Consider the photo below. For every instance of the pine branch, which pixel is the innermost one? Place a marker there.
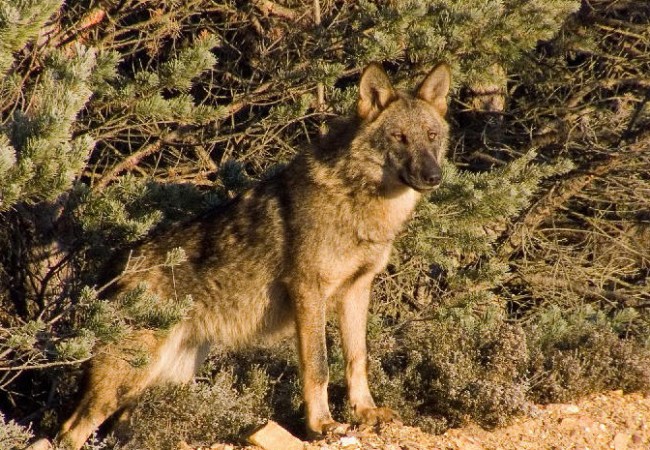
(78, 33)
(564, 191)
(320, 88)
(134, 159)
(43, 365)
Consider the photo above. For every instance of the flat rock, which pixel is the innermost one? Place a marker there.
(272, 436)
(41, 444)
(621, 441)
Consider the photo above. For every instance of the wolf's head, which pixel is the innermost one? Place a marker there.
(408, 130)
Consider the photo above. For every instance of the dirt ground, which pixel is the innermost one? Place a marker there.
(602, 421)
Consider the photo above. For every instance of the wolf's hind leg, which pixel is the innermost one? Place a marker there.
(113, 383)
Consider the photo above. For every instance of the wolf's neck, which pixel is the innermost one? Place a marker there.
(376, 211)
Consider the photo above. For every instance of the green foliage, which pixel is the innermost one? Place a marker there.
(24, 338)
(460, 365)
(76, 348)
(99, 316)
(200, 414)
(149, 311)
(470, 367)
(179, 72)
(473, 34)
(461, 216)
(13, 435)
(20, 23)
(135, 308)
(115, 213)
(41, 157)
(575, 352)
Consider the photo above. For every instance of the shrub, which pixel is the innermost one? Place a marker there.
(199, 413)
(12, 435)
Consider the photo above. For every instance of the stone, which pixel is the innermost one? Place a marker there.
(347, 441)
(570, 409)
(620, 441)
(272, 436)
(41, 444)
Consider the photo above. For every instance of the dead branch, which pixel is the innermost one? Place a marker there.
(269, 8)
(582, 289)
(133, 160)
(563, 191)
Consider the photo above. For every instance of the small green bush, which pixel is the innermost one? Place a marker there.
(458, 367)
(576, 352)
(12, 435)
(200, 413)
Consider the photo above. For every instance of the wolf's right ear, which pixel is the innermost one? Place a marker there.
(375, 92)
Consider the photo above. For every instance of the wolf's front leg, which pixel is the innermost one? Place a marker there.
(310, 327)
(352, 306)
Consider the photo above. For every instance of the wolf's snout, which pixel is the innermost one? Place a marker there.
(430, 172)
(422, 174)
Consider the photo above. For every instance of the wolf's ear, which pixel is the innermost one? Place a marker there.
(375, 92)
(435, 86)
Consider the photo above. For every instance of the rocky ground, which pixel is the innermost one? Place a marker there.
(601, 421)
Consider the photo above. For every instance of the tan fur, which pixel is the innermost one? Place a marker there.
(273, 259)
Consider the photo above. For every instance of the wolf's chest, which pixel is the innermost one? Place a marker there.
(384, 218)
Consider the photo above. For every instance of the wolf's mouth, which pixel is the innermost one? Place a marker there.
(418, 185)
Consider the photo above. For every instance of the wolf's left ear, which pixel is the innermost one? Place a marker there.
(375, 92)
(435, 86)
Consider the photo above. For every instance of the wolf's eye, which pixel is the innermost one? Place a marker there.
(400, 137)
(432, 135)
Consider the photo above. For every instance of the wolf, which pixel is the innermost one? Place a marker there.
(276, 258)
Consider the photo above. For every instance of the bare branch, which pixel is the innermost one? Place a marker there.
(269, 8)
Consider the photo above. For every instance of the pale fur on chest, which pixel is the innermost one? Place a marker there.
(373, 225)
(382, 218)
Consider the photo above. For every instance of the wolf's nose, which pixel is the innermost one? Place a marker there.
(433, 179)
(429, 173)
(431, 176)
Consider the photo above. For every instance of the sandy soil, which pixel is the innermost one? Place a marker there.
(602, 421)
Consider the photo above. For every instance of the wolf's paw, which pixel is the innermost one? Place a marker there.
(336, 428)
(330, 428)
(375, 416)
